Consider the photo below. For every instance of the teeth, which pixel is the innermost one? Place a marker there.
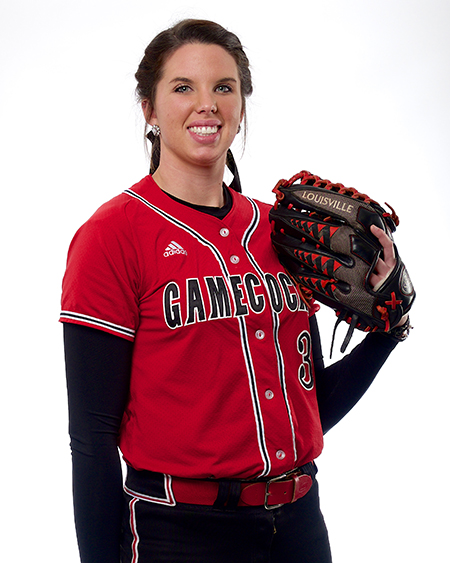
(204, 130)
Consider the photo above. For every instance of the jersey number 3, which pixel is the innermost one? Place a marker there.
(305, 371)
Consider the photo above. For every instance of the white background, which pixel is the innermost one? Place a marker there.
(354, 91)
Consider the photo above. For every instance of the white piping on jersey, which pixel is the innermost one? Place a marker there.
(242, 323)
(71, 316)
(169, 499)
(255, 399)
(275, 316)
(182, 226)
(134, 532)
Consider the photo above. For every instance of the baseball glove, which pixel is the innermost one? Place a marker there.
(321, 232)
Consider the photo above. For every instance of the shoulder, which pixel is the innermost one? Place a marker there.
(110, 212)
(109, 232)
(121, 203)
(250, 202)
(114, 215)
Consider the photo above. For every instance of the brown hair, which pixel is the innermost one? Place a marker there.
(166, 43)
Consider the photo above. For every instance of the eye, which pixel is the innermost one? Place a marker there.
(182, 88)
(224, 88)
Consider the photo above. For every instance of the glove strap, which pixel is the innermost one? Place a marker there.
(340, 318)
(349, 334)
(401, 333)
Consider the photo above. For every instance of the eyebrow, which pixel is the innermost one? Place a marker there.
(190, 81)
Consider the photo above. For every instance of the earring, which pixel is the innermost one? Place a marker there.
(156, 130)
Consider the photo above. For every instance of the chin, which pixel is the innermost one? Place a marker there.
(209, 158)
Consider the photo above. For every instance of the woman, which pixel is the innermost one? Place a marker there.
(182, 337)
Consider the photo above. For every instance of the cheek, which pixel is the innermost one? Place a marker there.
(177, 113)
(234, 112)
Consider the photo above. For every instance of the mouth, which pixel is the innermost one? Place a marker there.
(204, 131)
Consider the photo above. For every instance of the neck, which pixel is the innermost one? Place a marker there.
(197, 185)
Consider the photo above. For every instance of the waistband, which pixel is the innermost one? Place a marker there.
(271, 493)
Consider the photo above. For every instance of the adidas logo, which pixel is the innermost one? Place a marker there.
(174, 248)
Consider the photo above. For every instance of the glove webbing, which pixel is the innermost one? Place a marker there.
(308, 179)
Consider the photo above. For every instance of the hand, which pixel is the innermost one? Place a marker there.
(383, 267)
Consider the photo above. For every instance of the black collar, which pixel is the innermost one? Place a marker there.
(219, 212)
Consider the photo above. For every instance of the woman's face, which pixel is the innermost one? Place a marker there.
(198, 106)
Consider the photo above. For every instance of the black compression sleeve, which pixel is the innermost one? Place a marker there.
(98, 372)
(341, 385)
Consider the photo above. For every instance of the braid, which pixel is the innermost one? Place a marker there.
(156, 153)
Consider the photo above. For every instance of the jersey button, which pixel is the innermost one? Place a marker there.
(234, 259)
(224, 232)
(280, 454)
(269, 394)
(260, 334)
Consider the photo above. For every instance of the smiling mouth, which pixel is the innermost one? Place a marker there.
(204, 131)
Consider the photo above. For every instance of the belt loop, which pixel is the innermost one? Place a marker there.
(228, 495)
(309, 468)
(222, 495)
(235, 495)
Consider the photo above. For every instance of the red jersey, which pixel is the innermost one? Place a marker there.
(222, 381)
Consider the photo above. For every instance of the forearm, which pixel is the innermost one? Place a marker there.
(97, 499)
(341, 385)
(351, 377)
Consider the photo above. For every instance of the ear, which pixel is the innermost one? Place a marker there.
(242, 120)
(243, 115)
(149, 113)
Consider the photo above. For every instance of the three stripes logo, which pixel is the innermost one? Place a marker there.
(174, 248)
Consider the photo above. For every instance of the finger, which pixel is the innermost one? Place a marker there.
(379, 275)
(381, 268)
(387, 244)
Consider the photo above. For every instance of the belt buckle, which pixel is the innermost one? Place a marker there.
(268, 506)
(302, 484)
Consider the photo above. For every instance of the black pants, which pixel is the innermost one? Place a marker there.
(187, 533)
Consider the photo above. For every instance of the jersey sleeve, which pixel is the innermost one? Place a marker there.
(101, 283)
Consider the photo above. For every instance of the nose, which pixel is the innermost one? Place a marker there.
(207, 104)
(208, 108)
